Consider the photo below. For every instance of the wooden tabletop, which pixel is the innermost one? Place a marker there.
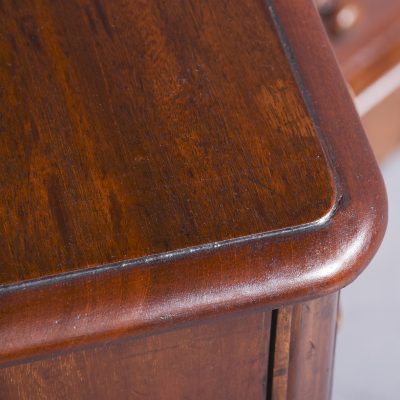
(131, 130)
(165, 160)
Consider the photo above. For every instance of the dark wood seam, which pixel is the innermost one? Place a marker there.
(271, 359)
(176, 254)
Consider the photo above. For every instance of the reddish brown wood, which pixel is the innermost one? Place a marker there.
(220, 360)
(366, 52)
(372, 46)
(278, 384)
(247, 115)
(312, 345)
(304, 349)
(149, 127)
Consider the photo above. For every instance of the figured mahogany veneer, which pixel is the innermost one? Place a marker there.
(165, 162)
(148, 128)
(216, 360)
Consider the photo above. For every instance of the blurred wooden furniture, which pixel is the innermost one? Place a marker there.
(185, 187)
(366, 38)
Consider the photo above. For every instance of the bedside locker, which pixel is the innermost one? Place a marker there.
(185, 188)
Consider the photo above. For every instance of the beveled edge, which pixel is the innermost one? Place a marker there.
(170, 255)
(11, 281)
(294, 265)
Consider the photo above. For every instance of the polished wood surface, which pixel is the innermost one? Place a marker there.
(312, 346)
(283, 355)
(133, 129)
(310, 144)
(303, 350)
(185, 187)
(219, 360)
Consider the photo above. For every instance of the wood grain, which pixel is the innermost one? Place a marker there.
(220, 360)
(303, 350)
(137, 128)
(312, 346)
(278, 383)
(73, 311)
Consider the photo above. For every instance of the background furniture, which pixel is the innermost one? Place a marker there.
(366, 39)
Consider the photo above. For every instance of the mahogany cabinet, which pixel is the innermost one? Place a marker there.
(185, 187)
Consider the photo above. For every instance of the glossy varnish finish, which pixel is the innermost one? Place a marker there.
(132, 129)
(273, 131)
(224, 359)
(301, 360)
(230, 358)
(312, 346)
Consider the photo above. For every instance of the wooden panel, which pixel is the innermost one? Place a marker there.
(312, 346)
(159, 293)
(132, 129)
(220, 360)
(304, 350)
(278, 384)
